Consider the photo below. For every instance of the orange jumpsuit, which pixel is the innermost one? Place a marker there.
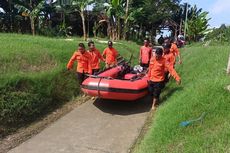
(110, 55)
(84, 62)
(145, 54)
(174, 50)
(157, 70)
(169, 59)
(156, 75)
(95, 56)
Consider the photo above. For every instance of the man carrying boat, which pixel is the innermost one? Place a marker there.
(96, 57)
(83, 59)
(174, 49)
(169, 59)
(156, 75)
(110, 54)
(145, 54)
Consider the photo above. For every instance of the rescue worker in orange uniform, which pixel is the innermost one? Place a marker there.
(167, 40)
(83, 59)
(96, 57)
(110, 54)
(145, 54)
(156, 75)
(151, 45)
(174, 49)
(169, 59)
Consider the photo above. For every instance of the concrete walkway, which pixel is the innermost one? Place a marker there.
(94, 127)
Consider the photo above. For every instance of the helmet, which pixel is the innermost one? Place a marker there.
(138, 68)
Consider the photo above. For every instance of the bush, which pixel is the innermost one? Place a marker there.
(48, 31)
(220, 35)
(64, 86)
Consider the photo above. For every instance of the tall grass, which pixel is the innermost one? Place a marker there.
(33, 76)
(203, 90)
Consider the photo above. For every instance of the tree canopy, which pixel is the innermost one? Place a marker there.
(115, 19)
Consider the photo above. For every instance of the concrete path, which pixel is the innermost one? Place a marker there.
(94, 127)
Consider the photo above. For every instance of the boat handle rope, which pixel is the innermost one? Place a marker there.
(101, 77)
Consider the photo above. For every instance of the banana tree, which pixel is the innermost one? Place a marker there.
(80, 6)
(126, 18)
(130, 19)
(197, 25)
(115, 13)
(31, 9)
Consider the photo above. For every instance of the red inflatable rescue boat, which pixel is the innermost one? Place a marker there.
(118, 83)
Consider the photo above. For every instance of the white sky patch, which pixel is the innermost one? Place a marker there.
(89, 7)
(219, 10)
(220, 6)
(1, 10)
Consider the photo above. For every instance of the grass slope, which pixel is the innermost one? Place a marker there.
(33, 76)
(203, 90)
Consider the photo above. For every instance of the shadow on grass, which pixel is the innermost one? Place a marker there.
(168, 92)
(124, 107)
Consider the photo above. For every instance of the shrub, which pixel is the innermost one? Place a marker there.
(220, 35)
(23, 100)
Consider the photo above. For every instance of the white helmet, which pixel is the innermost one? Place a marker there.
(138, 68)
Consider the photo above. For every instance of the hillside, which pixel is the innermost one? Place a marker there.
(203, 90)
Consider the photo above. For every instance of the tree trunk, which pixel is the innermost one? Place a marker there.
(113, 29)
(32, 26)
(153, 34)
(114, 33)
(126, 20)
(125, 30)
(140, 32)
(119, 28)
(32, 22)
(94, 34)
(180, 26)
(95, 30)
(228, 68)
(175, 35)
(83, 24)
(109, 33)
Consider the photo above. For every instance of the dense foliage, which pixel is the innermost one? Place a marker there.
(219, 35)
(115, 19)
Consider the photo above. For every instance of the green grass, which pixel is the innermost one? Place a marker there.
(203, 90)
(33, 79)
(33, 76)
